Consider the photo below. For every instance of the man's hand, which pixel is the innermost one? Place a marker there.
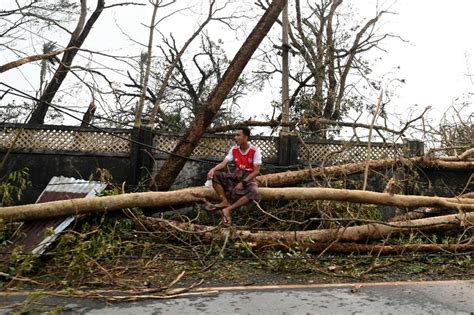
(239, 186)
(210, 174)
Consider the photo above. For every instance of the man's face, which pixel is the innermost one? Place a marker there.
(240, 137)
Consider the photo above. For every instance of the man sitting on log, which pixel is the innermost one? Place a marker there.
(239, 187)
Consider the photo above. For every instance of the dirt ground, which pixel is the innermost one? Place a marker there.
(272, 268)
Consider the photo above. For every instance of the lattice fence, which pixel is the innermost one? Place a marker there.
(337, 153)
(68, 140)
(216, 147)
(75, 139)
(268, 146)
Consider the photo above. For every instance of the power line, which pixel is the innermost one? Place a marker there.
(80, 55)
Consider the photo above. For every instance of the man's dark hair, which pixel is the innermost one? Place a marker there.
(245, 131)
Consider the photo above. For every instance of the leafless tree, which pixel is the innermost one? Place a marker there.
(35, 21)
(190, 84)
(327, 51)
(457, 126)
(173, 165)
(180, 80)
(78, 37)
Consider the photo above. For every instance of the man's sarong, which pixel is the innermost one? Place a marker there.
(229, 180)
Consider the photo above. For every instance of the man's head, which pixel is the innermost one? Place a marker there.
(242, 135)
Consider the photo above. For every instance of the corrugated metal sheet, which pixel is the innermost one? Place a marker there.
(31, 235)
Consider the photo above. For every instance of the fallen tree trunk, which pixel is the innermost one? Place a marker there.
(297, 177)
(301, 176)
(424, 211)
(360, 233)
(198, 194)
(462, 157)
(370, 197)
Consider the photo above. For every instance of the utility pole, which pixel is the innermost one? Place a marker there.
(285, 94)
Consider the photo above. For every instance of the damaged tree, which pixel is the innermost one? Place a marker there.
(77, 39)
(173, 165)
(301, 176)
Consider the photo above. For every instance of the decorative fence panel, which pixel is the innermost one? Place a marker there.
(119, 142)
(215, 146)
(65, 139)
(338, 152)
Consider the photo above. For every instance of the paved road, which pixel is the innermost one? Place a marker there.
(447, 297)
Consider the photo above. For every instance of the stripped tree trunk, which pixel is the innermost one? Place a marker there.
(360, 233)
(297, 177)
(173, 165)
(193, 195)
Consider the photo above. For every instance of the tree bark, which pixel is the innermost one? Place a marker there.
(173, 165)
(196, 195)
(423, 212)
(89, 114)
(462, 157)
(77, 39)
(412, 215)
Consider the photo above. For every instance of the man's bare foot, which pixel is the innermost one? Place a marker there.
(226, 217)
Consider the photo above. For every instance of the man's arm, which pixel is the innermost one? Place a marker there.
(250, 176)
(218, 167)
(253, 174)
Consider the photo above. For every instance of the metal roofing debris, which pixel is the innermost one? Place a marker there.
(31, 235)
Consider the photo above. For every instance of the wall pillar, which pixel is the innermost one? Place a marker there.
(287, 149)
(415, 148)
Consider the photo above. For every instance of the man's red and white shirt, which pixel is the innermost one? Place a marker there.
(245, 160)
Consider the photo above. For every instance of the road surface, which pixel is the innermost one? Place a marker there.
(443, 297)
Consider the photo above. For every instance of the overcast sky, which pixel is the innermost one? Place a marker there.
(434, 62)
